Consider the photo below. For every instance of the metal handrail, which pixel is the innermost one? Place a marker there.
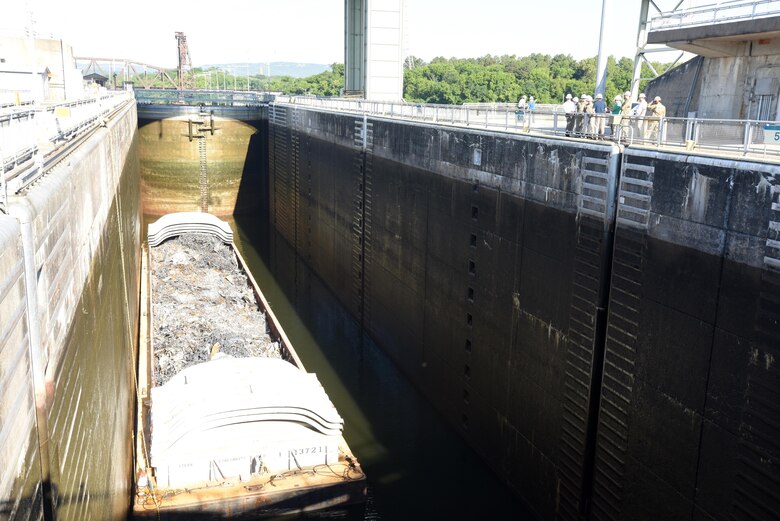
(201, 97)
(30, 137)
(731, 136)
(715, 13)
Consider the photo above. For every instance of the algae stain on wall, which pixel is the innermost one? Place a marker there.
(172, 169)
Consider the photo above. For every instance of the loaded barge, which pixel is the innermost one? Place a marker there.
(229, 423)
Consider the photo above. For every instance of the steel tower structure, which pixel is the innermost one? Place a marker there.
(185, 77)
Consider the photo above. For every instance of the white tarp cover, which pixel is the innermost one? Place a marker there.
(234, 417)
(174, 224)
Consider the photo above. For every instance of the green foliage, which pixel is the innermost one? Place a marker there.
(506, 78)
(328, 83)
(457, 81)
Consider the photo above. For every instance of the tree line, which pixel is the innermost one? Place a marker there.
(489, 79)
(506, 78)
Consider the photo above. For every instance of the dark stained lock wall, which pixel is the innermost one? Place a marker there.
(477, 261)
(689, 424)
(602, 325)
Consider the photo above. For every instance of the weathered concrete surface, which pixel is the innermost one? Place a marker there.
(20, 483)
(726, 87)
(689, 421)
(679, 88)
(720, 99)
(470, 257)
(80, 230)
(484, 266)
(171, 164)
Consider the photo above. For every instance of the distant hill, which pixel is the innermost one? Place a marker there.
(296, 70)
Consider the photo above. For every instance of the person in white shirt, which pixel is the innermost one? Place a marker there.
(640, 111)
(522, 106)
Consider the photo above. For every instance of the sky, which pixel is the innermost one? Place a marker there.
(312, 31)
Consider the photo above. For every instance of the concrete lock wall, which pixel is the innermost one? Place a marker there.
(689, 423)
(187, 167)
(20, 482)
(503, 274)
(477, 261)
(80, 230)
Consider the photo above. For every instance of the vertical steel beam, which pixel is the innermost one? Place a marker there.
(641, 42)
(355, 41)
(601, 65)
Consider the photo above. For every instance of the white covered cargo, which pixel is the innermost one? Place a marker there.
(239, 418)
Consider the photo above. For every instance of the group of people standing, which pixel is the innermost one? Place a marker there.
(525, 110)
(587, 117)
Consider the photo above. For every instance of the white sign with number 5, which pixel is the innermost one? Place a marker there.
(772, 134)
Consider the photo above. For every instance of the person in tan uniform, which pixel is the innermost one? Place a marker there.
(626, 110)
(656, 110)
(579, 116)
(590, 117)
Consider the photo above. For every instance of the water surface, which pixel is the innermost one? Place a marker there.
(417, 465)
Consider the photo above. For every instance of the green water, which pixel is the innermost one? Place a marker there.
(417, 466)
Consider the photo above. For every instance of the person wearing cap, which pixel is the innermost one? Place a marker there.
(531, 108)
(601, 110)
(656, 111)
(616, 104)
(522, 106)
(569, 109)
(589, 125)
(640, 111)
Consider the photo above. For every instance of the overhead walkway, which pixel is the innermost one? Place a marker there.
(717, 30)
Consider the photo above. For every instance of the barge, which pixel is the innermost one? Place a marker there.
(229, 423)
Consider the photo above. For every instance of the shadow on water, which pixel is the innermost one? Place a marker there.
(417, 465)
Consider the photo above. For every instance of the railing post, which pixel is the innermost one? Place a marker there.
(689, 126)
(747, 137)
(662, 131)
(3, 185)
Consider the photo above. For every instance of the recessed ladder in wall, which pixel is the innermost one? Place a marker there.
(198, 129)
(361, 222)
